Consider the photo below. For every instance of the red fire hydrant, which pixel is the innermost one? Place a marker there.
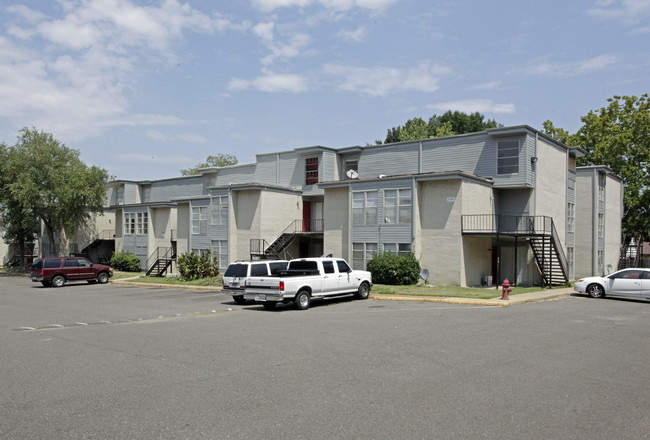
(505, 289)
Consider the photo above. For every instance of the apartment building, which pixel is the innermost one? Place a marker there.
(475, 208)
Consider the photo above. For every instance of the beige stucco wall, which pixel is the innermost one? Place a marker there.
(551, 186)
(613, 222)
(336, 222)
(476, 260)
(278, 211)
(440, 242)
(182, 228)
(161, 222)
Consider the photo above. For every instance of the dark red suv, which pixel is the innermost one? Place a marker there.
(57, 270)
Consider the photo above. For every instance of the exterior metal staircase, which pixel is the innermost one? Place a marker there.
(278, 249)
(160, 261)
(540, 233)
(106, 234)
(631, 254)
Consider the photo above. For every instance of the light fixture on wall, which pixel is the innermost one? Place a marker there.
(533, 160)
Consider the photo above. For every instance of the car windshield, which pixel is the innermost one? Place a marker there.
(236, 270)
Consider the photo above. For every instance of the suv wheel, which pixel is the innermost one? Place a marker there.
(58, 281)
(102, 278)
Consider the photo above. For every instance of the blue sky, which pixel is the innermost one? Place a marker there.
(145, 88)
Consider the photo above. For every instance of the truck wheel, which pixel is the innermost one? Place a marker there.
(269, 305)
(239, 299)
(302, 300)
(364, 291)
(58, 281)
(102, 278)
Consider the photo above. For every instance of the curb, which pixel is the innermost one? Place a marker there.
(124, 282)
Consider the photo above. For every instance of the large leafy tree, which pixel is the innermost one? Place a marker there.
(619, 136)
(447, 124)
(45, 181)
(220, 160)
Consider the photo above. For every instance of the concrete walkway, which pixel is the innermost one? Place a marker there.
(542, 295)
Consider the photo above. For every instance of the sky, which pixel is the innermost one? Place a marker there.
(145, 88)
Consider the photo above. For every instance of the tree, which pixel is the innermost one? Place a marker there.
(220, 160)
(619, 136)
(46, 181)
(447, 124)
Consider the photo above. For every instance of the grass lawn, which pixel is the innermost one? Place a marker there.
(448, 291)
(210, 282)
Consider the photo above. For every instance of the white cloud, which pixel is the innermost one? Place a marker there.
(77, 83)
(189, 138)
(270, 82)
(356, 35)
(338, 5)
(575, 68)
(630, 11)
(380, 81)
(474, 105)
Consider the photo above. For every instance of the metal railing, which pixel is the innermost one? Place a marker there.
(507, 224)
(161, 253)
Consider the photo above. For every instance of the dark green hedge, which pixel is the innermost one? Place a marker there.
(393, 269)
(126, 261)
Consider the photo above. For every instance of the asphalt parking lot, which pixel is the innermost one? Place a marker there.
(136, 362)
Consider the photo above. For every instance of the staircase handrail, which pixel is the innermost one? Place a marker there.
(161, 253)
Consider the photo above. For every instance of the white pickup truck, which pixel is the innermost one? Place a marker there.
(308, 278)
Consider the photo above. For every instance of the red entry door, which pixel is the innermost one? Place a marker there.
(306, 216)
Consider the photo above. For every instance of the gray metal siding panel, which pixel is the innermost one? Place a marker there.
(328, 167)
(292, 170)
(396, 160)
(243, 174)
(266, 170)
(164, 191)
(471, 156)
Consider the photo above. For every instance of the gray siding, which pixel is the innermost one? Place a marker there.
(163, 191)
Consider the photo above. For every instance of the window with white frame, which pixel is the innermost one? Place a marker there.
(397, 206)
(601, 225)
(220, 250)
(199, 220)
(601, 187)
(364, 208)
(142, 223)
(129, 223)
(571, 217)
(508, 157)
(362, 253)
(398, 248)
(199, 251)
(220, 210)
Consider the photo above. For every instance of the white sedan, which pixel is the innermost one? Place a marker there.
(634, 283)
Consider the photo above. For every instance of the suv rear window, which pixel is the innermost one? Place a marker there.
(236, 270)
(259, 270)
(276, 267)
(50, 264)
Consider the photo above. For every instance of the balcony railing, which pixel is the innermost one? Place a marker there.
(507, 224)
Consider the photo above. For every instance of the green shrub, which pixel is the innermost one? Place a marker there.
(393, 269)
(192, 266)
(126, 261)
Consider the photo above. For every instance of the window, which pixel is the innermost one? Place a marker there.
(398, 248)
(364, 208)
(571, 217)
(507, 157)
(220, 250)
(259, 270)
(199, 220)
(199, 251)
(397, 206)
(328, 266)
(311, 171)
(601, 187)
(601, 225)
(351, 169)
(70, 262)
(343, 266)
(362, 253)
(220, 210)
(129, 223)
(143, 223)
